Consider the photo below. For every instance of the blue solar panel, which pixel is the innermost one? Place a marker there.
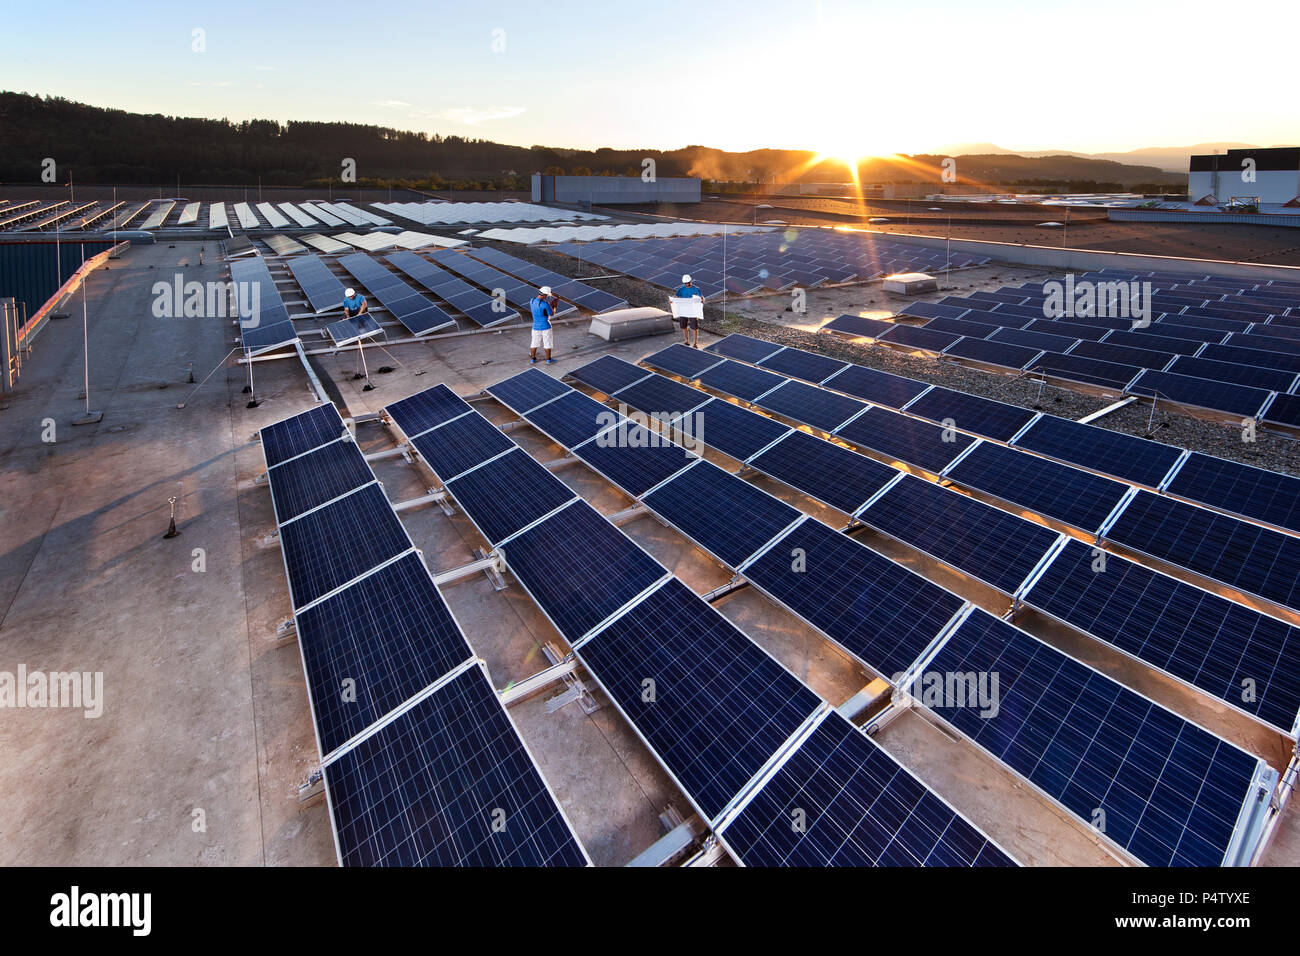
(571, 419)
(732, 430)
(877, 610)
(905, 439)
(829, 472)
(1240, 554)
(992, 546)
(659, 394)
(448, 783)
(634, 457)
(1076, 368)
(1124, 456)
(310, 480)
(301, 433)
(527, 390)
(579, 568)
(427, 409)
(609, 373)
(882, 388)
(861, 808)
(797, 363)
(918, 337)
(1171, 792)
(460, 445)
(384, 640)
(346, 331)
(970, 413)
(1284, 410)
(265, 338)
(1269, 379)
(857, 325)
(1231, 652)
(1001, 354)
(811, 405)
(725, 515)
(508, 494)
(743, 347)
(1077, 498)
(327, 548)
(1188, 390)
(1242, 489)
(682, 360)
(721, 707)
(743, 381)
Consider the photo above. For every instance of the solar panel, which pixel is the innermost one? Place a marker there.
(460, 445)
(1001, 354)
(571, 419)
(347, 331)
(1145, 338)
(918, 337)
(857, 325)
(1077, 498)
(1124, 456)
(375, 645)
(1076, 368)
(720, 707)
(266, 338)
(732, 430)
(1171, 793)
(1241, 489)
(327, 548)
(1238, 553)
(725, 515)
(447, 783)
(905, 439)
(860, 807)
(742, 381)
(609, 373)
(507, 494)
(882, 388)
(427, 409)
(321, 286)
(523, 392)
(1257, 357)
(982, 416)
(1284, 410)
(301, 433)
(811, 405)
(1231, 652)
(681, 360)
(1203, 393)
(658, 394)
(743, 347)
(579, 568)
(877, 610)
(990, 545)
(1269, 379)
(826, 471)
(633, 457)
(322, 475)
(1123, 354)
(797, 363)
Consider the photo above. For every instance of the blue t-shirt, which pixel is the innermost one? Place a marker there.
(541, 313)
(686, 291)
(354, 303)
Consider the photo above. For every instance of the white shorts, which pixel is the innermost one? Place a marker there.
(542, 338)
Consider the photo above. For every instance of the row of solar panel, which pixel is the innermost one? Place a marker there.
(419, 757)
(263, 320)
(594, 300)
(724, 711)
(1075, 497)
(887, 616)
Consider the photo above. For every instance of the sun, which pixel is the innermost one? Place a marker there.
(848, 155)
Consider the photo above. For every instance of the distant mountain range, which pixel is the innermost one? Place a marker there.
(1168, 158)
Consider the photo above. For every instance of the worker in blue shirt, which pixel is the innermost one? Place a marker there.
(543, 307)
(353, 303)
(685, 291)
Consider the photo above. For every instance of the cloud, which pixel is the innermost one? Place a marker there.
(476, 116)
(392, 104)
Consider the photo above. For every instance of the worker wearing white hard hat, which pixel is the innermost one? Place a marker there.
(353, 303)
(543, 307)
(690, 326)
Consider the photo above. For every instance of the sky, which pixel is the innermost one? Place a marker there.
(841, 78)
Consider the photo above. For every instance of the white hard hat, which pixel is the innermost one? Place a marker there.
(349, 292)
(686, 278)
(546, 290)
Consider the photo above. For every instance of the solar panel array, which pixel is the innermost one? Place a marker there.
(751, 261)
(418, 314)
(263, 320)
(571, 290)
(1214, 343)
(515, 291)
(418, 754)
(318, 283)
(480, 307)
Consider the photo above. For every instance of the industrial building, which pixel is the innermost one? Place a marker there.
(1269, 176)
(613, 190)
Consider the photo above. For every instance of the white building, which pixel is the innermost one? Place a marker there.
(1272, 175)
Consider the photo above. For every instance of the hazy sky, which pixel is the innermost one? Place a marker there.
(838, 77)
